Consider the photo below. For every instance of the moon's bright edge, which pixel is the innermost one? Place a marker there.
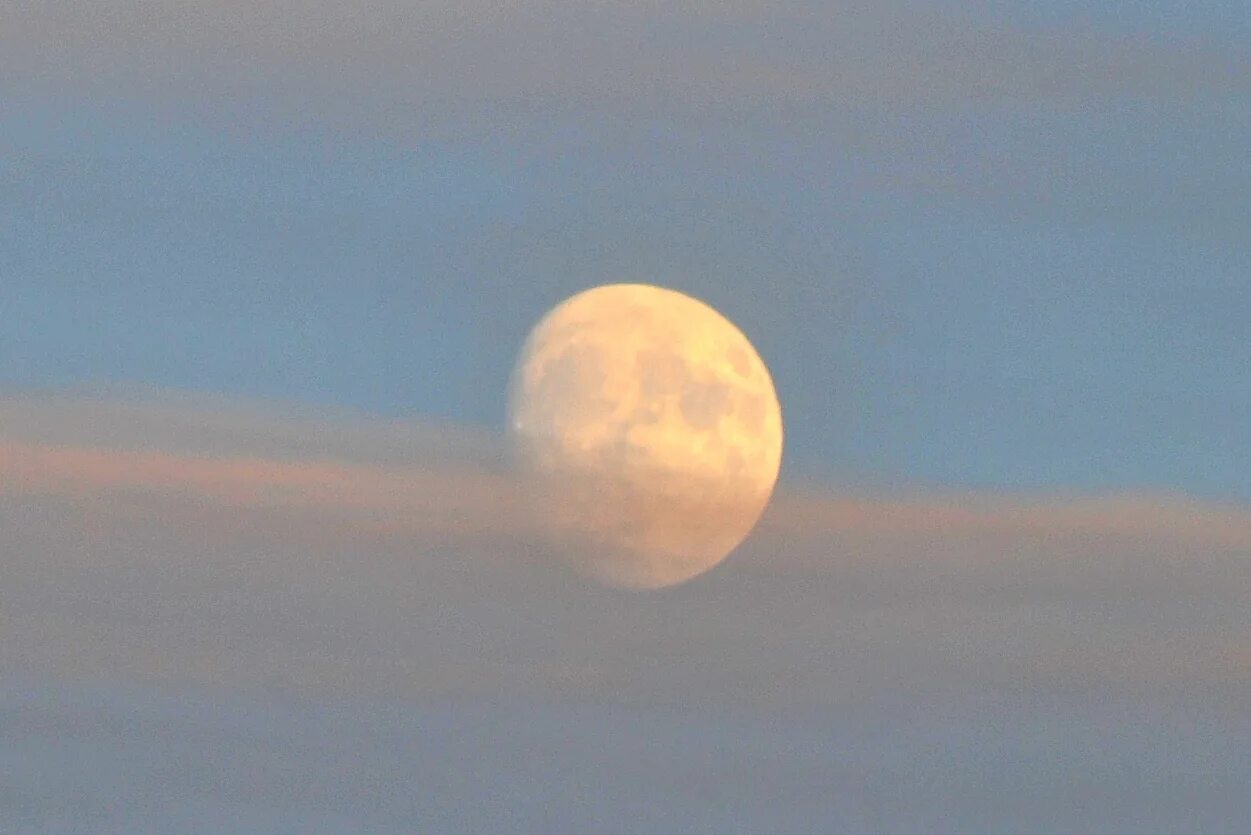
(652, 432)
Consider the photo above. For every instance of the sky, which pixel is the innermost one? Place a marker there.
(264, 271)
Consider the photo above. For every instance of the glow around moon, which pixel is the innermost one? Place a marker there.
(652, 432)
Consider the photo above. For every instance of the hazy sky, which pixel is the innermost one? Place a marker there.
(265, 266)
(980, 245)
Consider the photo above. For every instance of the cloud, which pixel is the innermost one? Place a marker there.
(209, 451)
(184, 574)
(222, 547)
(175, 422)
(214, 453)
(1128, 520)
(544, 56)
(108, 759)
(201, 457)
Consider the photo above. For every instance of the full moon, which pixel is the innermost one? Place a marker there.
(651, 431)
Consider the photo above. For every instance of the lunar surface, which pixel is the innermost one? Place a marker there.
(650, 430)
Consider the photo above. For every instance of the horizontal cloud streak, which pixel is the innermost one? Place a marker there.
(1133, 519)
(432, 501)
(123, 418)
(173, 544)
(546, 55)
(431, 480)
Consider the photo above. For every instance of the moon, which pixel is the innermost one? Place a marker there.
(650, 431)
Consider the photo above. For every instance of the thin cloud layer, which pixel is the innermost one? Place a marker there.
(441, 500)
(545, 55)
(277, 621)
(209, 452)
(223, 615)
(425, 576)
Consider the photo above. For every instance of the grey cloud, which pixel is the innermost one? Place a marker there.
(439, 59)
(412, 575)
(179, 656)
(108, 758)
(138, 418)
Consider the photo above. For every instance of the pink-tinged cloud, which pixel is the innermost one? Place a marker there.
(1002, 523)
(426, 501)
(182, 540)
(184, 460)
(418, 61)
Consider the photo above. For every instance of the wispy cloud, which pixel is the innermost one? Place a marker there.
(165, 561)
(212, 452)
(546, 55)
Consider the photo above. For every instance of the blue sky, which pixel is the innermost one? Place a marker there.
(991, 298)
